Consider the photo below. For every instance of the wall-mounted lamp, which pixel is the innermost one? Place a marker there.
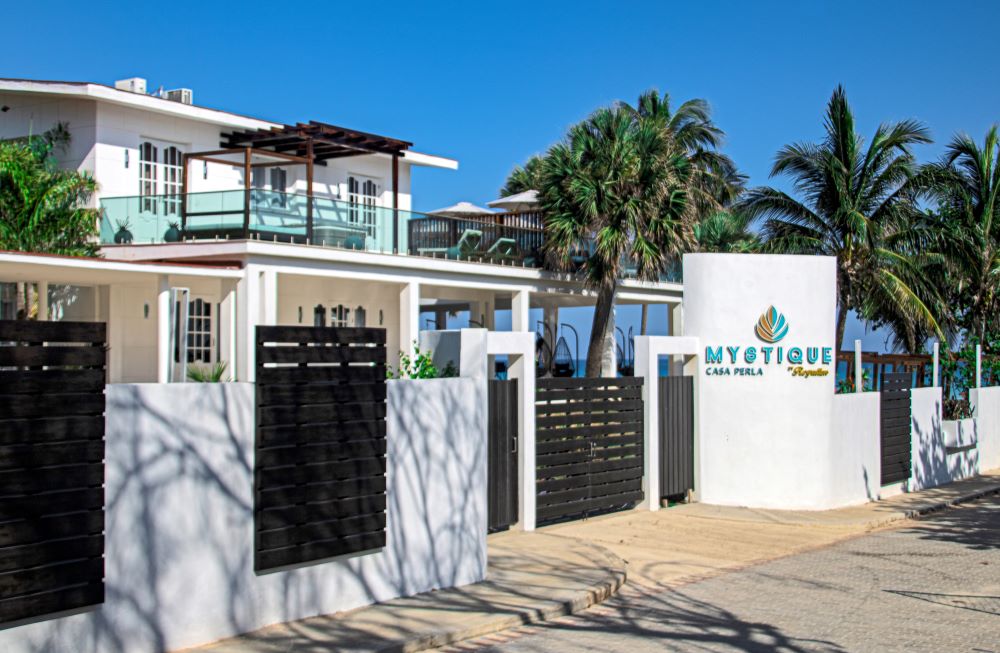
(300, 315)
(204, 175)
(145, 311)
(126, 157)
(380, 317)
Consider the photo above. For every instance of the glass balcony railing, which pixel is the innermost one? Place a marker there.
(502, 238)
(511, 238)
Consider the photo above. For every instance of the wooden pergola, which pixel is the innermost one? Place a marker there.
(309, 144)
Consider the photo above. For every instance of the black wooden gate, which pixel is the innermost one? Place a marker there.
(895, 426)
(676, 436)
(502, 472)
(589, 450)
(319, 473)
(52, 377)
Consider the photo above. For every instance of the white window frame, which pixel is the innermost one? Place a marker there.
(364, 196)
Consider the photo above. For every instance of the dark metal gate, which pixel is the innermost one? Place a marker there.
(502, 468)
(589, 449)
(895, 426)
(676, 436)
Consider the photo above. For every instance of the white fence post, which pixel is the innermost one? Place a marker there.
(646, 366)
(936, 359)
(979, 366)
(859, 376)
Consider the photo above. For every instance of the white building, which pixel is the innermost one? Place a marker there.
(265, 223)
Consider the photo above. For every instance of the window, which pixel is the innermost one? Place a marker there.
(161, 170)
(199, 337)
(340, 316)
(147, 176)
(362, 195)
(172, 174)
(279, 184)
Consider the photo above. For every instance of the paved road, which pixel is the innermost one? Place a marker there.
(931, 586)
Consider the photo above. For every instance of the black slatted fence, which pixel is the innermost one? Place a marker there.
(52, 377)
(589, 449)
(895, 426)
(676, 436)
(321, 443)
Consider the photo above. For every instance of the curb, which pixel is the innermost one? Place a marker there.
(941, 505)
(531, 614)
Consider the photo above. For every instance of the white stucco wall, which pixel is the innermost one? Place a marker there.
(854, 449)
(929, 460)
(986, 408)
(765, 440)
(179, 529)
(35, 114)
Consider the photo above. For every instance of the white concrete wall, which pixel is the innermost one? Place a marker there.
(34, 114)
(295, 292)
(986, 408)
(179, 487)
(929, 460)
(121, 128)
(854, 449)
(765, 440)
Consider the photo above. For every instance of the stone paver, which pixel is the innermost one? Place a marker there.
(930, 585)
(695, 541)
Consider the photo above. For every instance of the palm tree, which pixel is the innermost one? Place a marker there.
(726, 232)
(619, 181)
(859, 205)
(522, 178)
(715, 181)
(43, 208)
(968, 220)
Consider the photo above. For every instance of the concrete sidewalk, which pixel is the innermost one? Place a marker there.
(567, 568)
(691, 542)
(532, 577)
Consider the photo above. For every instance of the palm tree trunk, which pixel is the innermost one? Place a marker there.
(841, 325)
(599, 329)
(645, 319)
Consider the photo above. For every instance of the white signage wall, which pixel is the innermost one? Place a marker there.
(766, 328)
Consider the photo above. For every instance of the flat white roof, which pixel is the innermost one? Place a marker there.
(105, 93)
(81, 270)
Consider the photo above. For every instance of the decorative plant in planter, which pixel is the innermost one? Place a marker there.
(123, 236)
(419, 366)
(173, 232)
(213, 374)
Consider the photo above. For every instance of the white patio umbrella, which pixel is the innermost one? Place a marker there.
(462, 210)
(524, 201)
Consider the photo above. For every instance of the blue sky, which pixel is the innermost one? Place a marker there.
(491, 84)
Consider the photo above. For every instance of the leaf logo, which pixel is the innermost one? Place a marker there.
(772, 326)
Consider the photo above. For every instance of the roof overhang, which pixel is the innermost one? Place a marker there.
(82, 271)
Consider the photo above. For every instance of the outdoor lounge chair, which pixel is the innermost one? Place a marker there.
(504, 249)
(465, 247)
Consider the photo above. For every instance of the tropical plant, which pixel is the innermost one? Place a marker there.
(44, 208)
(967, 187)
(726, 232)
(860, 205)
(620, 181)
(208, 374)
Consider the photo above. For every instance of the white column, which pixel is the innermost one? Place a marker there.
(269, 297)
(675, 312)
(43, 301)
(228, 328)
(520, 311)
(859, 374)
(489, 314)
(935, 362)
(163, 344)
(550, 316)
(647, 368)
(409, 316)
(247, 317)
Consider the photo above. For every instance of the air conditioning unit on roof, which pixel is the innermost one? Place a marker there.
(132, 84)
(182, 95)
